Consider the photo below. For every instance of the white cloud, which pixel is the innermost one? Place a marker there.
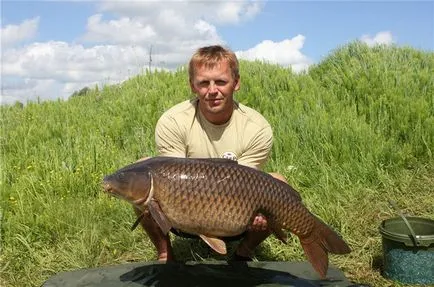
(215, 11)
(123, 31)
(253, 9)
(285, 53)
(12, 34)
(208, 31)
(54, 68)
(23, 92)
(115, 45)
(381, 38)
(167, 28)
(235, 12)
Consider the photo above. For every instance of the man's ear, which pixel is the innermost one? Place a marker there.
(237, 84)
(193, 89)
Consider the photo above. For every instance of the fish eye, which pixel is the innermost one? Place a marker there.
(122, 177)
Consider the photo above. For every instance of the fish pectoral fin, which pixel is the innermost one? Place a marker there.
(277, 230)
(159, 216)
(217, 244)
(139, 218)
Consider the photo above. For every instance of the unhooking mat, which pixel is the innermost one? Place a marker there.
(198, 274)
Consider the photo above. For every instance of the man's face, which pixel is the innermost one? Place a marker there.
(215, 88)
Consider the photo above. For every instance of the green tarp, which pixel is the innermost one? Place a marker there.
(207, 274)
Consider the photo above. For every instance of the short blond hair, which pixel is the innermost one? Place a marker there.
(211, 56)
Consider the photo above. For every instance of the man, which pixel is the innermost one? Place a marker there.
(213, 125)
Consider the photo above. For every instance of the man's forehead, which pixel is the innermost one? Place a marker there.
(219, 69)
(212, 65)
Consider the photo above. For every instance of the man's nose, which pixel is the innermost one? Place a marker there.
(212, 89)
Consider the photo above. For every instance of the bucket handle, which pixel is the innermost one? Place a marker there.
(413, 235)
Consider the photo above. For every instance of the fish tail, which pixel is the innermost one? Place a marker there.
(321, 241)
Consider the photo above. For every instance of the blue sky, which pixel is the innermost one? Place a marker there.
(50, 49)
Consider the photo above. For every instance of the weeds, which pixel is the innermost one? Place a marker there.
(353, 132)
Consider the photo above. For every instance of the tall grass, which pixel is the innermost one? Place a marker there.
(353, 132)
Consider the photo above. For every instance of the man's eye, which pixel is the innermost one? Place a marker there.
(204, 84)
(220, 83)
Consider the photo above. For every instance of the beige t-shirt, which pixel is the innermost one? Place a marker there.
(182, 131)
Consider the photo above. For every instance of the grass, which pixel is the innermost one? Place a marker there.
(350, 134)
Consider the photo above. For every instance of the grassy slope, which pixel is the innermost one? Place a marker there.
(349, 135)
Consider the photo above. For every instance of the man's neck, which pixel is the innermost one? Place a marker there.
(218, 118)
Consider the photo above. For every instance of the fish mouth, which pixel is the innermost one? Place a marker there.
(107, 188)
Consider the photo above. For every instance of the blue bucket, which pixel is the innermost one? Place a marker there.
(408, 249)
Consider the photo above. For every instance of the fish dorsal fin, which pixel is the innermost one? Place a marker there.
(218, 245)
(159, 216)
(216, 160)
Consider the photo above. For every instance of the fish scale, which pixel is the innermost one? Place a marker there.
(216, 198)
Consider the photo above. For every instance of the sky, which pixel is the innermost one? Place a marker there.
(49, 49)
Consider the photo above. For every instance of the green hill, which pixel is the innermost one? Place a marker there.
(355, 130)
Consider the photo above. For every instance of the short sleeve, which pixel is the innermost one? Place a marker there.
(169, 137)
(256, 152)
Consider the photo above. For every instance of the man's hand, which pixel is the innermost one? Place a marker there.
(259, 223)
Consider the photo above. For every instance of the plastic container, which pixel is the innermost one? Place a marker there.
(408, 249)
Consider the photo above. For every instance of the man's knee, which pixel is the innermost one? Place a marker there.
(278, 176)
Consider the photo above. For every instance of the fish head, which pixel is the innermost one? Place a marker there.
(132, 186)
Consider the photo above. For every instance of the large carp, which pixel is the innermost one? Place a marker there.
(215, 198)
